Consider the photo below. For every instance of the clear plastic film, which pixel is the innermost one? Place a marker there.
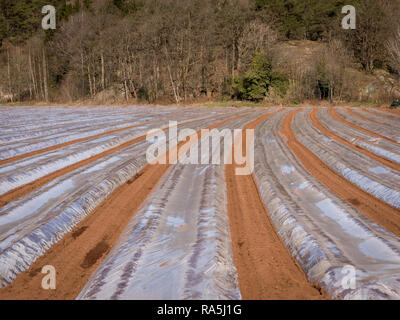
(380, 147)
(30, 225)
(322, 232)
(178, 245)
(368, 174)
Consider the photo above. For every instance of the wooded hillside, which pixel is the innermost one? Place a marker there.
(175, 51)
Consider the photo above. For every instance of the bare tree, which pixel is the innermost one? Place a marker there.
(393, 47)
(256, 36)
(372, 31)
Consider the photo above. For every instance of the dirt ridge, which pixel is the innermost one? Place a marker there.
(65, 144)
(266, 269)
(336, 116)
(326, 131)
(21, 191)
(81, 251)
(375, 209)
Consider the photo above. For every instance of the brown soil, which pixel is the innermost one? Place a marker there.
(81, 251)
(30, 187)
(375, 209)
(361, 116)
(330, 134)
(387, 116)
(14, 194)
(336, 116)
(394, 111)
(61, 145)
(265, 267)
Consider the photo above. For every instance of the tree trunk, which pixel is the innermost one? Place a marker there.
(40, 68)
(9, 75)
(82, 75)
(32, 74)
(90, 80)
(45, 82)
(170, 76)
(126, 91)
(103, 83)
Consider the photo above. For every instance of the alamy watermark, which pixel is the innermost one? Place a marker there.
(350, 20)
(49, 280)
(349, 280)
(49, 20)
(349, 283)
(188, 151)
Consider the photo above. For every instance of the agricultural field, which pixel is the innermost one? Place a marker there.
(317, 218)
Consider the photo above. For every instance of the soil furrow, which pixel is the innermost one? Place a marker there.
(81, 251)
(361, 116)
(396, 112)
(382, 148)
(58, 146)
(30, 187)
(336, 116)
(379, 114)
(377, 118)
(323, 232)
(375, 209)
(326, 131)
(263, 261)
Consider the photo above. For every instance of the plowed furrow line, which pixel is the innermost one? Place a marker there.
(183, 241)
(375, 209)
(379, 114)
(60, 127)
(379, 118)
(336, 116)
(356, 114)
(30, 187)
(396, 112)
(263, 261)
(81, 251)
(326, 131)
(58, 146)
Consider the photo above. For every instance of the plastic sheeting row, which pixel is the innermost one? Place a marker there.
(324, 234)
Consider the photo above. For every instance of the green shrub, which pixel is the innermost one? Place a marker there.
(280, 82)
(296, 101)
(255, 83)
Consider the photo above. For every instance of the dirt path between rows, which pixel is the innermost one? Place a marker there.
(336, 116)
(19, 192)
(81, 251)
(266, 269)
(32, 186)
(348, 110)
(395, 111)
(375, 209)
(326, 131)
(377, 114)
(61, 145)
